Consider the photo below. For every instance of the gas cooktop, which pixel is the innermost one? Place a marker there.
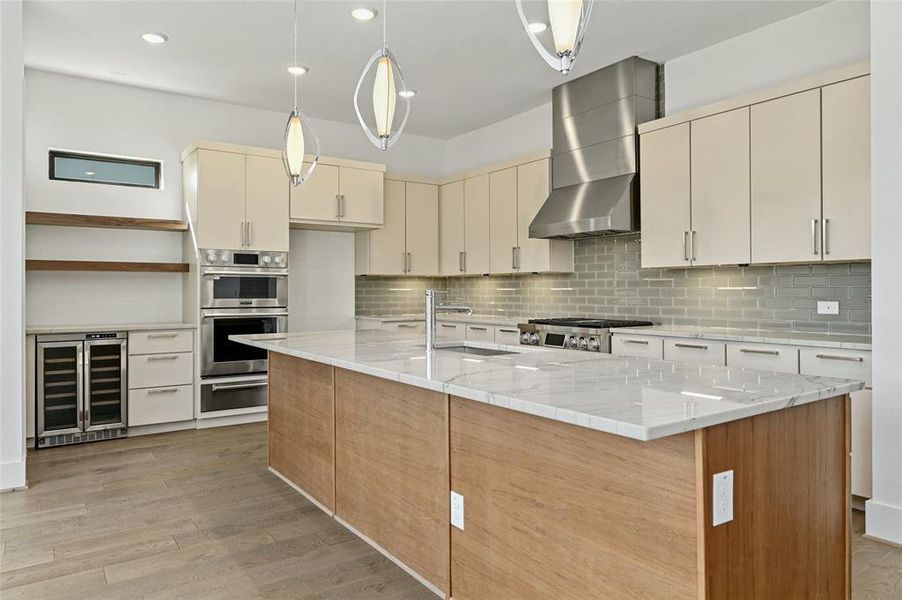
(590, 323)
(574, 333)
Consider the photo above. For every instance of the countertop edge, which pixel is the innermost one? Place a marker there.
(51, 329)
(766, 338)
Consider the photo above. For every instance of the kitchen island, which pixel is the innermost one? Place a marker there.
(577, 475)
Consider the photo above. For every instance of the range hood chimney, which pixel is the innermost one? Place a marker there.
(594, 160)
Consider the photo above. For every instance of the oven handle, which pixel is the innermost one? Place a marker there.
(237, 386)
(226, 315)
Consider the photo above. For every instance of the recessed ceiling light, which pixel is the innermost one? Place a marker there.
(155, 37)
(297, 70)
(537, 27)
(407, 93)
(363, 14)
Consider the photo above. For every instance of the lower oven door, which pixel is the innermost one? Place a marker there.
(220, 355)
(233, 393)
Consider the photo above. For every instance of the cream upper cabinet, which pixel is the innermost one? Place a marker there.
(665, 205)
(846, 219)
(477, 226)
(361, 193)
(537, 255)
(422, 229)
(266, 204)
(503, 221)
(386, 249)
(317, 198)
(220, 200)
(451, 223)
(720, 196)
(786, 178)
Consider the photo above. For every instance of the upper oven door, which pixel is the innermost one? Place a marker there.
(223, 288)
(220, 355)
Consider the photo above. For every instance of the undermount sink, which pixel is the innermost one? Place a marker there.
(463, 349)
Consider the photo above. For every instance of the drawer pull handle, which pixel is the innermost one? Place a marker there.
(449, 326)
(756, 351)
(219, 387)
(163, 357)
(406, 325)
(642, 342)
(477, 328)
(845, 358)
(692, 346)
(162, 335)
(171, 390)
(509, 330)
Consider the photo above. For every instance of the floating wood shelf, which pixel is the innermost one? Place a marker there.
(100, 265)
(103, 222)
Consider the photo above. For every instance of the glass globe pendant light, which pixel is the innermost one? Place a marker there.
(387, 86)
(298, 131)
(569, 20)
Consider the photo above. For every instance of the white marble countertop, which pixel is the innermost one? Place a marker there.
(504, 320)
(765, 336)
(44, 329)
(636, 398)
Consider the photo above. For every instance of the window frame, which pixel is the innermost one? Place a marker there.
(156, 164)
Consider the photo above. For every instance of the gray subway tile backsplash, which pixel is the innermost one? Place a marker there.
(609, 282)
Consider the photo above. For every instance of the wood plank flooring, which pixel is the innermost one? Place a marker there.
(195, 514)
(192, 514)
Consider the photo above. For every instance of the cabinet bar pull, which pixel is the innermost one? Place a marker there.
(242, 234)
(409, 262)
(509, 330)
(460, 261)
(465, 261)
(692, 346)
(692, 244)
(162, 335)
(643, 342)
(449, 326)
(685, 246)
(341, 206)
(250, 233)
(824, 236)
(837, 357)
(216, 387)
(477, 328)
(814, 236)
(756, 351)
(171, 390)
(337, 206)
(163, 357)
(513, 257)
(406, 325)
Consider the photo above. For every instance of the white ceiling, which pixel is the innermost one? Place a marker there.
(470, 60)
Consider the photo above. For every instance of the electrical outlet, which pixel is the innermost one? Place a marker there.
(457, 510)
(828, 307)
(723, 498)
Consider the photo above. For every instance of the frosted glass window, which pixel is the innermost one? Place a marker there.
(109, 170)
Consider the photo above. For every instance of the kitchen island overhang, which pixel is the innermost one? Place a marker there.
(582, 476)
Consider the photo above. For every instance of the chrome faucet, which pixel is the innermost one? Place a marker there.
(432, 308)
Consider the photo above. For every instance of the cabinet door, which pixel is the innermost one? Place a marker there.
(266, 204)
(317, 198)
(451, 223)
(532, 191)
(503, 220)
(361, 191)
(476, 224)
(786, 178)
(664, 156)
(386, 245)
(721, 229)
(220, 200)
(422, 229)
(846, 128)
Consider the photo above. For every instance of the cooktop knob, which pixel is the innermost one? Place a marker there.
(524, 338)
(594, 346)
(583, 344)
(279, 259)
(225, 257)
(572, 342)
(211, 256)
(267, 260)
(533, 338)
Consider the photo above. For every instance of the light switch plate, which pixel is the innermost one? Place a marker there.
(723, 497)
(457, 510)
(830, 307)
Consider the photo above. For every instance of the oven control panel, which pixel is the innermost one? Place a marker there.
(244, 258)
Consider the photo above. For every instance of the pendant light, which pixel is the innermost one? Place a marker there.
(387, 86)
(298, 131)
(569, 20)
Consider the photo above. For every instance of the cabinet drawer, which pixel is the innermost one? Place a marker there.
(481, 333)
(408, 326)
(160, 405)
(703, 352)
(155, 342)
(783, 359)
(451, 331)
(828, 362)
(638, 346)
(157, 370)
(507, 335)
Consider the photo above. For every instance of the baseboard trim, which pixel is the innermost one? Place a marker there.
(12, 476)
(160, 428)
(231, 420)
(883, 522)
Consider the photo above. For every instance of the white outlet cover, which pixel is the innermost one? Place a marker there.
(457, 510)
(830, 307)
(723, 498)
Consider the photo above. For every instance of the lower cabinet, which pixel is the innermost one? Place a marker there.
(160, 377)
(703, 352)
(507, 335)
(636, 346)
(160, 405)
(767, 357)
(451, 331)
(481, 333)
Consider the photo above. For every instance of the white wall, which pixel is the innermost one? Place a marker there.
(826, 37)
(321, 288)
(80, 114)
(884, 509)
(12, 334)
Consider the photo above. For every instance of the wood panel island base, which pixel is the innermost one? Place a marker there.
(557, 510)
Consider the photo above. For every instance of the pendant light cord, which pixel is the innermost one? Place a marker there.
(295, 63)
(384, 21)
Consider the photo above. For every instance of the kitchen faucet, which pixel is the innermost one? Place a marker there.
(432, 308)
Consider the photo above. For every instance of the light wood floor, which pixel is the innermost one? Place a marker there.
(196, 515)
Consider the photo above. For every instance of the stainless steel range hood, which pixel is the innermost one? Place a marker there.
(594, 160)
